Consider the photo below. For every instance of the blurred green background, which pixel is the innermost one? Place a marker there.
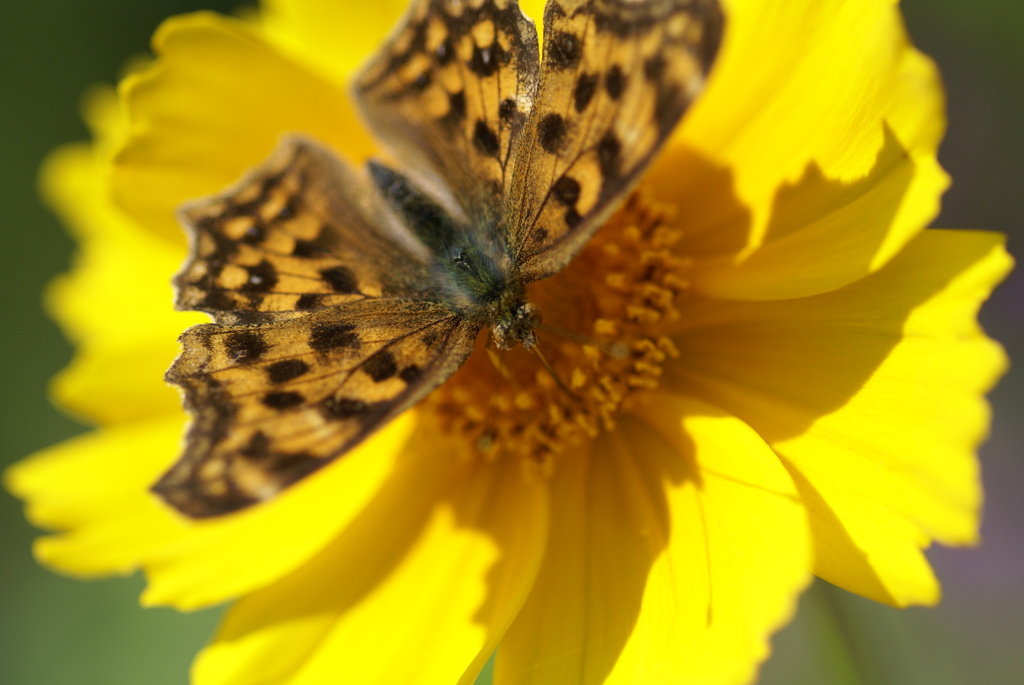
(58, 630)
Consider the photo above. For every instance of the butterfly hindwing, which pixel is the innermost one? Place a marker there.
(302, 231)
(274, 402)
(615, 79)
(325, 328)
(449, 94)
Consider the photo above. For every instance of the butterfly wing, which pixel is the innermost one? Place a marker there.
(616, 77)
(449, 93)
(302, 231)
(325, 329)
(274, 402)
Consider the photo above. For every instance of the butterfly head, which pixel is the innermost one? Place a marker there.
(515, 324)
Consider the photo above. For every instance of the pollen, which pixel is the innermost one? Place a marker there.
(599, 343)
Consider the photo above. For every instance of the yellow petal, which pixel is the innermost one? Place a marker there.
(534, 9)
(213, 105)
(96, 487)
(120, 269)
(116, 301)
(417, 590)
(874, 396)
(332, 37)
(111, 381)
(809, 160)
(675, 550)
(225, 557)
(102, 114)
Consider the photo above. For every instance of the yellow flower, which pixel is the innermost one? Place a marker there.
(808, 398)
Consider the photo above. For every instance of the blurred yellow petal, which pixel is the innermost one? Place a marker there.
(419, 589)
(810, 159)
(120, 283)
(101, 111)
(330, 36)
(113, 381)
(221, 558)
(97, 488)
(673, 555)
(115, 301)
(874, 396)
(214, 104)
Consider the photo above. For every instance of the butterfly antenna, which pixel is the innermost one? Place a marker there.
(550, 369)
(615, 350)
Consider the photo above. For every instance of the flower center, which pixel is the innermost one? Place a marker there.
(600, 337)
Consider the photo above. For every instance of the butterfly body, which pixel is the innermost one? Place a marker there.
(473, 268)
(342, 296)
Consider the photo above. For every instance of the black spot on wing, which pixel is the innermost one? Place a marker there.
(342, 407)
(341, 279)
(283, 400)
(308, 301)
(285, 213)
(411, 373)
(306, 249)
(608, 149)
(456, 109)
(485, 139)
(245, 347)
(224, 248)
(286, 370)
(254, 235)
(586, 87)
(218, 301)
(380, 366)
(563, 50)
(507, 110)
(572, 217)
(615, 82)
(262, 278)
(326, 337)
(444, 51)
(654, 67)
(421, 82)
(486, 60)
(566, 190)
(552, 130)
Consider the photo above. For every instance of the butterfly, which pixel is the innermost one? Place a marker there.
(343, 296)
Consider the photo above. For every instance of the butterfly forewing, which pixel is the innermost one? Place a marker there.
(449, 94)
(326, 328)
(616, 77)
(301, 232)
(275, 402)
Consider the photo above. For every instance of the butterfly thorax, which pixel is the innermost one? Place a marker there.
(472, 267)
